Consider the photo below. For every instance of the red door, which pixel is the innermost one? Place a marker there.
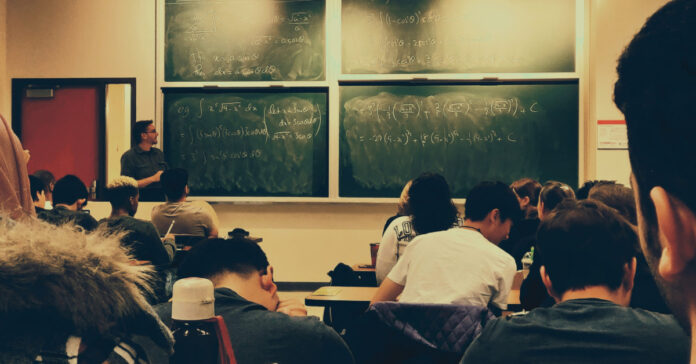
(62, 133)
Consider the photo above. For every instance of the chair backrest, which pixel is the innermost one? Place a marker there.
(422, 333)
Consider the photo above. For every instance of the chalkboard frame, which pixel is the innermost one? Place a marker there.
(324, 189)
(395, 192)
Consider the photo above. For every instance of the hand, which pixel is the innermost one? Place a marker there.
(169, 236)
(156, 177)
(27, 155)
(292, 307)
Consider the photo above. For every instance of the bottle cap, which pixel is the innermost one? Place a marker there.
(193, 299)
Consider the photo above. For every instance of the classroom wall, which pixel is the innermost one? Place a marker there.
(84, 38)
(613, 23)
(116, 38)
(5, 98)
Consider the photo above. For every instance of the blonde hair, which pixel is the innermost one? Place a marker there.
(122, 181)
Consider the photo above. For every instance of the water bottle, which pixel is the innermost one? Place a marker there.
(527, 261)
(195, 338)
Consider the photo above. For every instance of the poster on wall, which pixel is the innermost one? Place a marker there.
(611, 134)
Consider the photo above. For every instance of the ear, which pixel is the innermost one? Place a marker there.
(267, 281)
(547, 283)
(187, 190)
(629, 274)
(677, 227)
(494, 216)
(81, 202)
(524, 201)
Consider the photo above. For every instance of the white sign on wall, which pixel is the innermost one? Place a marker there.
(611, 134)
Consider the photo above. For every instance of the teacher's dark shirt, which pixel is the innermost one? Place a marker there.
(140, 164)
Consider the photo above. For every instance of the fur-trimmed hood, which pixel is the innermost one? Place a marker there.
(59, 279)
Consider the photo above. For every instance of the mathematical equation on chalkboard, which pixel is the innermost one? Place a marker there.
(407, 137)
(272, 122)
(244, 40)
(442, 106)
(457, 36)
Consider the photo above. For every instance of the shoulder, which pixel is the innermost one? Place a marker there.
(128, 154)
(157, 151)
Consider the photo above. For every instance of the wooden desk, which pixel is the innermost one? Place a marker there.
(361, 296)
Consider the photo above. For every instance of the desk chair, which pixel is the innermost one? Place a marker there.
(393, 332)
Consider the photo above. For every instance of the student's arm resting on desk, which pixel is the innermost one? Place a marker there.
(387, 291)
(162, 252)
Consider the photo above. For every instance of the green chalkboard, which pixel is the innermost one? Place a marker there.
(249, 143)
(244, 40)
(468, 133)
(457, 36)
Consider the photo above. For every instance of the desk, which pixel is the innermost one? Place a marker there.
(361, 296)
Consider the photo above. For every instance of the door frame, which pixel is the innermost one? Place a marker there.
(20, 84)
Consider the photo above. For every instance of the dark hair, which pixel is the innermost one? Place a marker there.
(656, 82)
(214, 256)
(585, 243)
(36, 186)
(47, 178)
(584, 190)
(618, 197)
(553, 192)
(140, 127)
(430, 204)
(487, 196)
(527, 187)
(174, 183)
(119, 196)
(68, 190)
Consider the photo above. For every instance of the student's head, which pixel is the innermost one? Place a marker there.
(144, 131)
(237, 263)
(122, 193)
(495, 206)
(174, 183)
(71, 192)
(48, 180)
(527, 191)
(583, 244)
(430, 204)
(584, 190)
(38, 191)
(552, 193)
(402, 207)
(618, 197)
(655, 88)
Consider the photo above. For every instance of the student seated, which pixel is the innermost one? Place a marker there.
(588, 264)
(49, 182)
(190, 217)
(655, 88)
(532, 292)
(523, 234)
(68, 297)
(69, 197)
(461, 265)
(430, 208)
(645, 292)
(142, 238)
(262, 328)
(38, 193)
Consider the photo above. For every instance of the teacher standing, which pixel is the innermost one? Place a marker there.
(144, 162)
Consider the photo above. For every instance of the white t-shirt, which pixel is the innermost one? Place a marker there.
(394, 241)
(457, 266)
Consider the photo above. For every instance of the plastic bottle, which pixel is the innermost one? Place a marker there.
(195, 338)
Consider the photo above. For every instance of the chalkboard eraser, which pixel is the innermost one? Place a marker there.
(276, 85)
(210, 86)
(419, 79)
(490, 78)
